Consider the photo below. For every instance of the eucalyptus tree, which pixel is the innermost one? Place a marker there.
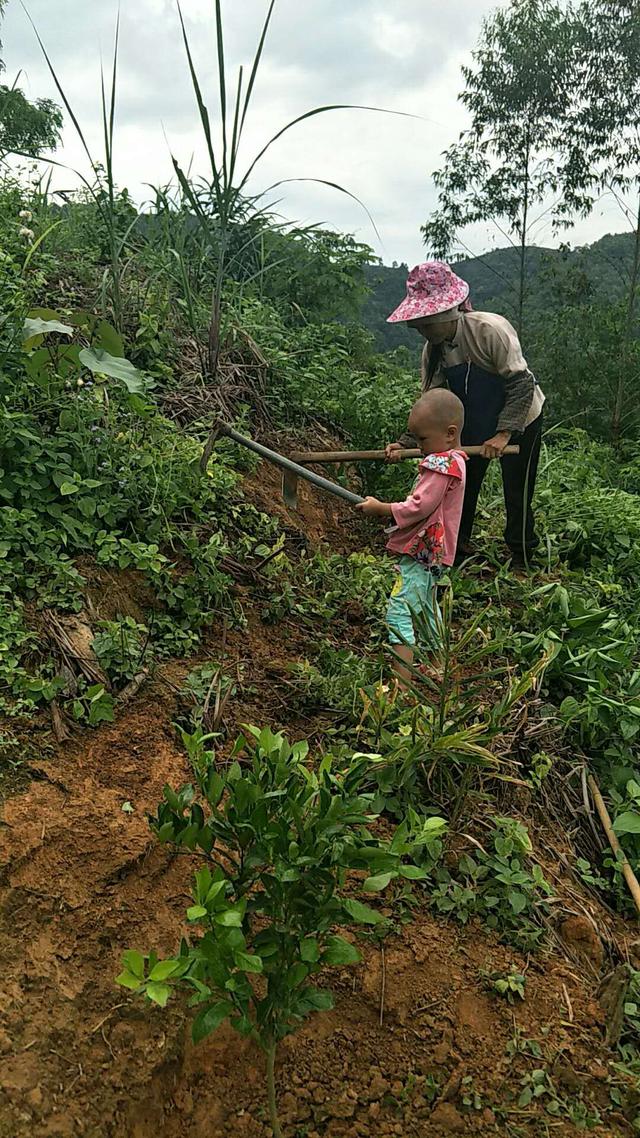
(603, 145)
(506, 167)
(26, 128)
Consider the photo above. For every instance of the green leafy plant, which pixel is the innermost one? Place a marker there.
(277, 839)
(120, 647)
(510, 985)
(498, 885)
(94, 706)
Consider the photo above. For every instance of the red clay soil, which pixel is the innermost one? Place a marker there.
(413, 1039)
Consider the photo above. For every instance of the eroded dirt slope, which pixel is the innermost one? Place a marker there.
(414, 1047)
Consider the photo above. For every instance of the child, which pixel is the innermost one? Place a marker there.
(426, 524)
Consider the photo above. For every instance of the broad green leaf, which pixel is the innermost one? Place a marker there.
(209, 1019)
(310, 950)
(375, 884)
(128, 980)
(163, 969)
(248, 962)
(103, 363)
(108, 339)
(229, 919)
(413, 872)
(134, 962)
(215, 890)
(158, 993)
(360, 913)
(195, 912)
(627, 823)
(518, 901)
(296, 974)
(69, 488)
(340, 951)
(318, 998)
(36, 326)
(87, 506)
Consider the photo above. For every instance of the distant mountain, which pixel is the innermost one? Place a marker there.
(598, 272)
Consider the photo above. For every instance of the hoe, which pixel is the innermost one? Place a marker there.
(296, 467)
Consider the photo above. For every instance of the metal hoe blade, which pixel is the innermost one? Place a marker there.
(290, 489)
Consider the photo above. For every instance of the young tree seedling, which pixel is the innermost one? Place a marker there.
(277, 839)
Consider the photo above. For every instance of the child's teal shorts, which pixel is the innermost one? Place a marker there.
(412, 613)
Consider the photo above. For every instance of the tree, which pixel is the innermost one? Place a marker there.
(603, 129)
(506, 164)
(26, 128)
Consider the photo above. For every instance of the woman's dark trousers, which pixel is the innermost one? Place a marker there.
(518, 481)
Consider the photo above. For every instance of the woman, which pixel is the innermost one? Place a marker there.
(479, 357)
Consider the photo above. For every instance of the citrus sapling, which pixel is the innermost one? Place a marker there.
(277, 839)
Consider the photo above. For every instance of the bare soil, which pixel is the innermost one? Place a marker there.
(414, 1036)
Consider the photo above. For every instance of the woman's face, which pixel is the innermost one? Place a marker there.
(433, 331)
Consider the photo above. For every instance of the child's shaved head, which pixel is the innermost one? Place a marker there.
(439, 407)
(436, 420)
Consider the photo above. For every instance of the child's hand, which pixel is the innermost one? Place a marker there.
(371, 507)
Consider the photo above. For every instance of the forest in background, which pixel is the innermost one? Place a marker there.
(576, 305)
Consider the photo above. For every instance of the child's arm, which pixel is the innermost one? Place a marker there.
(426, 498)
(375, 509)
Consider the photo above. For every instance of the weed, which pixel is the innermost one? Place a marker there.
(120, 646)
(94, 705)
(509, 985)
(469, 1096)
(498, 886)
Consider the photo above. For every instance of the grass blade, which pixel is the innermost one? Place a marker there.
(332, 186)
(112, 108)
(235, 138)
(312, 114)
(61, 91)
(222, 81)
(256, 65)
(204, 115)
(37, 243)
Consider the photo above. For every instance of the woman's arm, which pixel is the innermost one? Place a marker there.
(505, 350)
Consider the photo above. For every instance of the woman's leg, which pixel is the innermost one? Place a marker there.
(476, 470)
(519, 480)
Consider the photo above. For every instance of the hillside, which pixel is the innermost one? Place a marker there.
(595, 273)
(240, 868)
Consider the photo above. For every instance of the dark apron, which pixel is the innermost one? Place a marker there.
(483, 396)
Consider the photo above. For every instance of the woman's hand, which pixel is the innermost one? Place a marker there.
(391, 452)
(373, 508)
(494, 447)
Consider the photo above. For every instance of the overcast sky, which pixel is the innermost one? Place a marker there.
(404, 57)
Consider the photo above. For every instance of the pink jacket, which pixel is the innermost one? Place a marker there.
(427, 523)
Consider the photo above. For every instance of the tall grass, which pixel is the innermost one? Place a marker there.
(221, 203)
(102, 186)
(228, 188)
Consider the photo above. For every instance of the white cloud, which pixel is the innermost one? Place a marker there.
(318, 52)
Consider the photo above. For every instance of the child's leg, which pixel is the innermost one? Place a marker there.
(403, 656)
(413, 613)
(400, 621)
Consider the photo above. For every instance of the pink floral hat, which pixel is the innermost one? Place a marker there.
(432, 289)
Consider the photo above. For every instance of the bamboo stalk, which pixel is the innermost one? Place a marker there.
(603, 813)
